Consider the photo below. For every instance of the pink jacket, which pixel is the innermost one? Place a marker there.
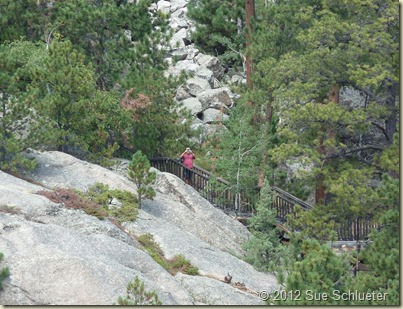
(188, 160)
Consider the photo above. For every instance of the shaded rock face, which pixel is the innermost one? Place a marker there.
(60, 256)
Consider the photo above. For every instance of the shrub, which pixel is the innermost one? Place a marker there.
(139, 173)
(71, 199)
(4, 272)
(137, 295)
(174, 265)
(9, 209)
(102, 195)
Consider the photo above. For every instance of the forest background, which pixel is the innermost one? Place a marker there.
(86, 77)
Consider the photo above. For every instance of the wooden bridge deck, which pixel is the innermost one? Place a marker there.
(225, 196)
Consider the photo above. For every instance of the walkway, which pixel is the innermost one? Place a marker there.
(225, 196)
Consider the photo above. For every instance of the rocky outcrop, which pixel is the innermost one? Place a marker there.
(207, 83)
(60, 256)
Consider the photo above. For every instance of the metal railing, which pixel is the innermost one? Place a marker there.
(225, 196)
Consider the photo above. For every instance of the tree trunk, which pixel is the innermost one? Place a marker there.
(266, 134)
(250, 12)
(391, 121)
(320, 194)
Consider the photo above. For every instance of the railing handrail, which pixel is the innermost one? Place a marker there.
(284, 203)
(291, 198)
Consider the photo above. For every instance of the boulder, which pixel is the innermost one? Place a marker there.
(193, 105)
(196, 85)
(207, 290)
(70, 250)
(206, 74)
(192, 52)
(179, 38)
(179, 13)
(236, 79)
(179, 53)
(210, 62)
(178, 4)
(164, 6)
(187, 66)
(178, 23)
(215, 97)
(54, 265)
(213, 115)
(60, 170)
(200, 127)
(182, 94)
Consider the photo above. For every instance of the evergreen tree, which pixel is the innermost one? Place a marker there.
(62, 88)
(139, 173)
(263, 249)
(317, 271)
(382, 255)
(219, 28)
(336, 141)
(16, 116)
(238, 150)
(104, 32)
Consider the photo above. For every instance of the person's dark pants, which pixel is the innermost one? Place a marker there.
(187, 173)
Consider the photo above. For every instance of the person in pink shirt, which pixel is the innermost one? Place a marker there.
(187, 158)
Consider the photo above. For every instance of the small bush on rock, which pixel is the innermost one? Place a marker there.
(138, 296)
(9, 209)
(4, 272)
(103, 196)
(139, 173)
(96, 201)
(72, 200)
(177, 264)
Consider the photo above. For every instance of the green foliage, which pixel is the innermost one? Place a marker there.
(263, 249)
(136, 295)
(219, 28)
(238, 150)
(317, 270)
(153, 249)
(95, 53)
(180, 263)
(139, 173)
(4, 272)
(383, 255)
(62, 88)
(73, 200)
(102, 30)
(177, 263)
(101, 194)
(16, 114)
(96, 201)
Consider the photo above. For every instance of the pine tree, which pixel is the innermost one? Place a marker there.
(263, 249)
(219, 28)
(238, 152)
(104, 31)
(62, 88)
(139, 173)
(16, 115)
(316, 274)
(335, 141)
(382, 254)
